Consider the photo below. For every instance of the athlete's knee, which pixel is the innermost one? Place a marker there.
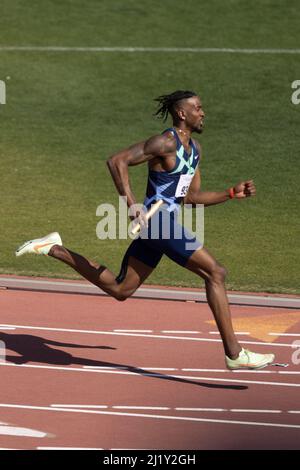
(123, 294)
(218, 273)
(121, 297)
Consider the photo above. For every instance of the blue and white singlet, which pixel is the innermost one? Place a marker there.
(172, 186)
(171, 238)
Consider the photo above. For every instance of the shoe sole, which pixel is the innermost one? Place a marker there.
(18, 252)
(251, 367)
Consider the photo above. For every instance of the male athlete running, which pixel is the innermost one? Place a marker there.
(174, 176)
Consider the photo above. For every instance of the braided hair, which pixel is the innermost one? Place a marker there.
(167, 102)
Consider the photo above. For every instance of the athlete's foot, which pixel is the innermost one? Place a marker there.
(249, 360)
(40, 246)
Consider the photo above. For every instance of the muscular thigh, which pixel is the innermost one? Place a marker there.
(202, 263)
(138, 263)
(137, 272)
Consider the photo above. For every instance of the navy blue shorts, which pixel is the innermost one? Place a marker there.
(163, 236)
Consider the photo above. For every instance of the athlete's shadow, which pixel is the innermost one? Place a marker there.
(36, 349)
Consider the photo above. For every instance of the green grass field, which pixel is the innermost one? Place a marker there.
(66, 112)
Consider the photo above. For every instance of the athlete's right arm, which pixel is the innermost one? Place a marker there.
(156, 146)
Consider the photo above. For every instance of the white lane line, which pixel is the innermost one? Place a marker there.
(223, 371)
(288, 372)
(166, 369)
(79, 406)
(206, 370)
(181, 332)
(7, 328)
(283, 334)
(133, 331)
(236, 333)
(198, 50)
(141, 335)
(151, 416)
(157, 375)
(254, 411)
(106, 367)
(129, 448)
(69, 448)
(131, 407)
(255, 371)
(120, 407)
(201, 409)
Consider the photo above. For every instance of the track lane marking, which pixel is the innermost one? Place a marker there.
(186, 338)
(69, 448)
(165, 408)
(284, 334)
(160, 376)
(151, 416)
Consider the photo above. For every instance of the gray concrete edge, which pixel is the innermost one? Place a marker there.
(41, 285)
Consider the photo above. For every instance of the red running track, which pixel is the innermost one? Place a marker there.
(72, 379)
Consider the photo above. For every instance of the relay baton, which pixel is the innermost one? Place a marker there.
(149, 214)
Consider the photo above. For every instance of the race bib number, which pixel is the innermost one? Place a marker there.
(183, 185)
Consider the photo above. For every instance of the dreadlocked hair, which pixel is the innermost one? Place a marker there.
(167, 102)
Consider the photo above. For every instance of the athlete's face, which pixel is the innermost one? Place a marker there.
(193, 114)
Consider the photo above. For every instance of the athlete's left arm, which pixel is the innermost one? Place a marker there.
(209, 198)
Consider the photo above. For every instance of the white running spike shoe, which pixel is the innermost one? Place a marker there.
(249, 360)
(40, 246)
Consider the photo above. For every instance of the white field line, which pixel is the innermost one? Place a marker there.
(114, 333)
(198, 50)
(150, 416)
(157, 375)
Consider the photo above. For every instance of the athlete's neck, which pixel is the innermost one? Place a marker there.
(183, 133)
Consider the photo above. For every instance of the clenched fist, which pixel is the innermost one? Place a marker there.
(244, 189)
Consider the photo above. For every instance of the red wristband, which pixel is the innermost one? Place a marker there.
(231, 193)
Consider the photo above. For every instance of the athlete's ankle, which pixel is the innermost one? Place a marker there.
(233, 353)
(54, 250)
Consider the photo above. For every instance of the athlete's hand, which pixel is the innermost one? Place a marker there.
(244, 189)
(138, 215)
